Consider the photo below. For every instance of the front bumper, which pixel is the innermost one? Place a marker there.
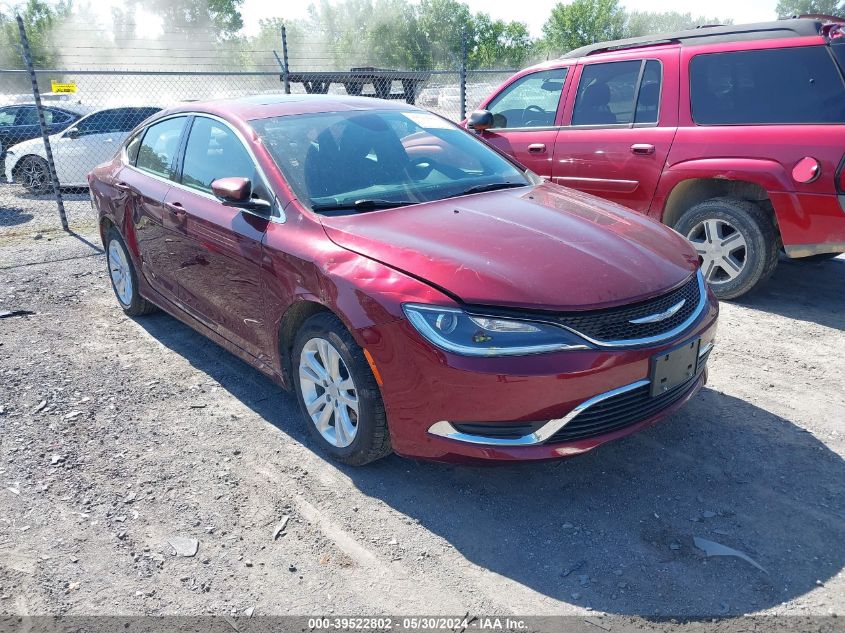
(431, 395)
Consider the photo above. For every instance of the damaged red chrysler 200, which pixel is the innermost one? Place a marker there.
(417, 290)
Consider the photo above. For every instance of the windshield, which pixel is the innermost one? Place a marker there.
(359, 161)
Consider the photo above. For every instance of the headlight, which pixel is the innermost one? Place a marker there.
(456, 331)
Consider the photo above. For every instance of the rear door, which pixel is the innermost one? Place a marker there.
(525, 118)
(219, 264)
(621, 121)
(152, 156)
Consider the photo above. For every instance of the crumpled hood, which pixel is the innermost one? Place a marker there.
(544, 247)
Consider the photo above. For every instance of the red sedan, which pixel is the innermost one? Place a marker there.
(419, 291)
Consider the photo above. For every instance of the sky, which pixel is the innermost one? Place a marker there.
(740, 10)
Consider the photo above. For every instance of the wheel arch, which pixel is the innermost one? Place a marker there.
(691, 191)
(293, 318)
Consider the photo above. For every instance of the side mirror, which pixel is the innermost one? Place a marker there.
(72, 133)
(237, 192)
(480, 120)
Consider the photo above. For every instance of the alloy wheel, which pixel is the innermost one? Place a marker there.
(121, 274)
(329, 392)
(721, 248)
(33, 175)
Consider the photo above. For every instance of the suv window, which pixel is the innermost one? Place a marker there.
(214, 151)
(648, 99)
(530, 101)
(786, 85)
(160, 146)
(606, 94)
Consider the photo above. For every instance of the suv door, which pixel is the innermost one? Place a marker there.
(622, 119)
(151, 157)
(525, 118)
(219, 264)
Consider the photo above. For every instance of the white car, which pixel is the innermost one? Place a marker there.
(76, 151)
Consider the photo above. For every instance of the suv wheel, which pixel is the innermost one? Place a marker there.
(337, 392)
(736, 241)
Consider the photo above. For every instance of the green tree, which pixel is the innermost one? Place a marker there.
(39, 19)
(583, 22)
(222, 18)
(640, 23)
(499, 43)
(787, 8)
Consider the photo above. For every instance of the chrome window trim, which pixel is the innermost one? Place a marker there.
(277, 207)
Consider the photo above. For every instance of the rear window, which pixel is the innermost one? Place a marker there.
(786, 85)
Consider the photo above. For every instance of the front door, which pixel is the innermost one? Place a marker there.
(622, 123)
(147, 180)
(219, 264)
(525, 119)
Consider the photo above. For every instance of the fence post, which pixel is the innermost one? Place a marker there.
(462, 79)
(285, 67)
(36, 95)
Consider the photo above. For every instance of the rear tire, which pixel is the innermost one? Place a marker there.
(337, 392)
(737, 243)
(34, 174)
(124, 281)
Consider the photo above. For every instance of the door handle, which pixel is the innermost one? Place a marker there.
(642, 149)
(537, 148)
(176, 208)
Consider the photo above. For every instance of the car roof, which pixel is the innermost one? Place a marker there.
(272, 105)
(793, 27)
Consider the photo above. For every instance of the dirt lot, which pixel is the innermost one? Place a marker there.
(118, 434)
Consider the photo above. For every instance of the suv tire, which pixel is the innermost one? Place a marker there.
(736, 241)
(339, 398)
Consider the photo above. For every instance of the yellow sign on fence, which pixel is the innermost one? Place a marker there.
(68, 86)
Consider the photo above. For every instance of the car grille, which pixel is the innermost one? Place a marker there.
(614, 324)
(623, 410)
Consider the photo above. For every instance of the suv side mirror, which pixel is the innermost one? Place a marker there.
(237, 192)
(480, 120)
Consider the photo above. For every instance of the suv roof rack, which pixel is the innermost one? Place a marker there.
(791, 27)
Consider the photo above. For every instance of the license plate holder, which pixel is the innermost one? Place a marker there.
(675, 367)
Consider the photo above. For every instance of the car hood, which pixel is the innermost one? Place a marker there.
(543, 247)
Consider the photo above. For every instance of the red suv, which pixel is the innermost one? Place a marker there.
(733, 135)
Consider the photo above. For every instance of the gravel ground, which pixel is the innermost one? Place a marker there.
(120, 434)
(22, 213)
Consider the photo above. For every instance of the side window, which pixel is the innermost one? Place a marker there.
(97, 123)
(159, 147)
(213, 151)
(784, 85)
(7, 116)
(606, 94)
(127, 119)
(648, 99)
(58, 117)
(530, 101)
(28, 115)
(132, 147)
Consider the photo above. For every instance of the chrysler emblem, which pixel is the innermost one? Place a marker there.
(660, 316)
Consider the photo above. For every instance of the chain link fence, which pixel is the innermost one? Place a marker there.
(87, 114)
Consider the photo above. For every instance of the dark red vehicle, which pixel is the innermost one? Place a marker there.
(733, 135)
(419, 291)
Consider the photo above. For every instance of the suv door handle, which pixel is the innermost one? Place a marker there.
(642, 149)
(537, 148)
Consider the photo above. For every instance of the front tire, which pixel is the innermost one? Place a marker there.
(124, 281)
(34, 175)
(337, 392)
(737, 244)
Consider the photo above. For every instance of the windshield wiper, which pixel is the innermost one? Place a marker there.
(490, 187)
(366, 204)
